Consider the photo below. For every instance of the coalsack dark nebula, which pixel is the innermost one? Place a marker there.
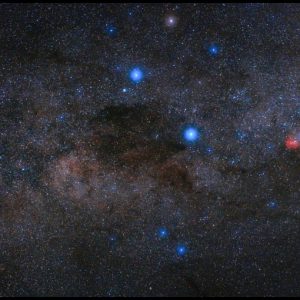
(149, 149)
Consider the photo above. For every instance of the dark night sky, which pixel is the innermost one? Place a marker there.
(150, 149)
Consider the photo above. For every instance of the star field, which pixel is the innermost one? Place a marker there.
(150, 149)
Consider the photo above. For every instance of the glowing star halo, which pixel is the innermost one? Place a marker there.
(136, 75)
(191, 134)
(181, 250)
(171, 21)
(214, 49)
(163, 232)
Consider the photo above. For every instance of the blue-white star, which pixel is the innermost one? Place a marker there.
(213, 49)
(191, 134)
(110, 30)
(181, 250)
(209, 150)
(272, 204)
(162, 232)
(136, 75)
(241, 135)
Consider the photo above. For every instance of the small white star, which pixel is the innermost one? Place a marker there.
(171, 21)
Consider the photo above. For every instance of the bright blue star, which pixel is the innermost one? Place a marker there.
(241, 135)
(233, 161)
(79, 92)
(61, 117)
(209, 150)
(118, 68)
(181, 250)
(191, 134)
(272, 204)
(124, 90)
(270, 146)
(162, 232)
(136, 75)
(213, 49)
(112, 238)
(110, 30)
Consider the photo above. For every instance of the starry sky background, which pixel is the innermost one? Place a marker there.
(104, 193)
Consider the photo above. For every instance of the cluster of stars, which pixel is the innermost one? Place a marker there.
(154, 118)
(163, 233)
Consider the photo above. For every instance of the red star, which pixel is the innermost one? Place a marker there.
(292, 143)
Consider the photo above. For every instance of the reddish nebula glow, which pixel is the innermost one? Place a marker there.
(292, 143)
